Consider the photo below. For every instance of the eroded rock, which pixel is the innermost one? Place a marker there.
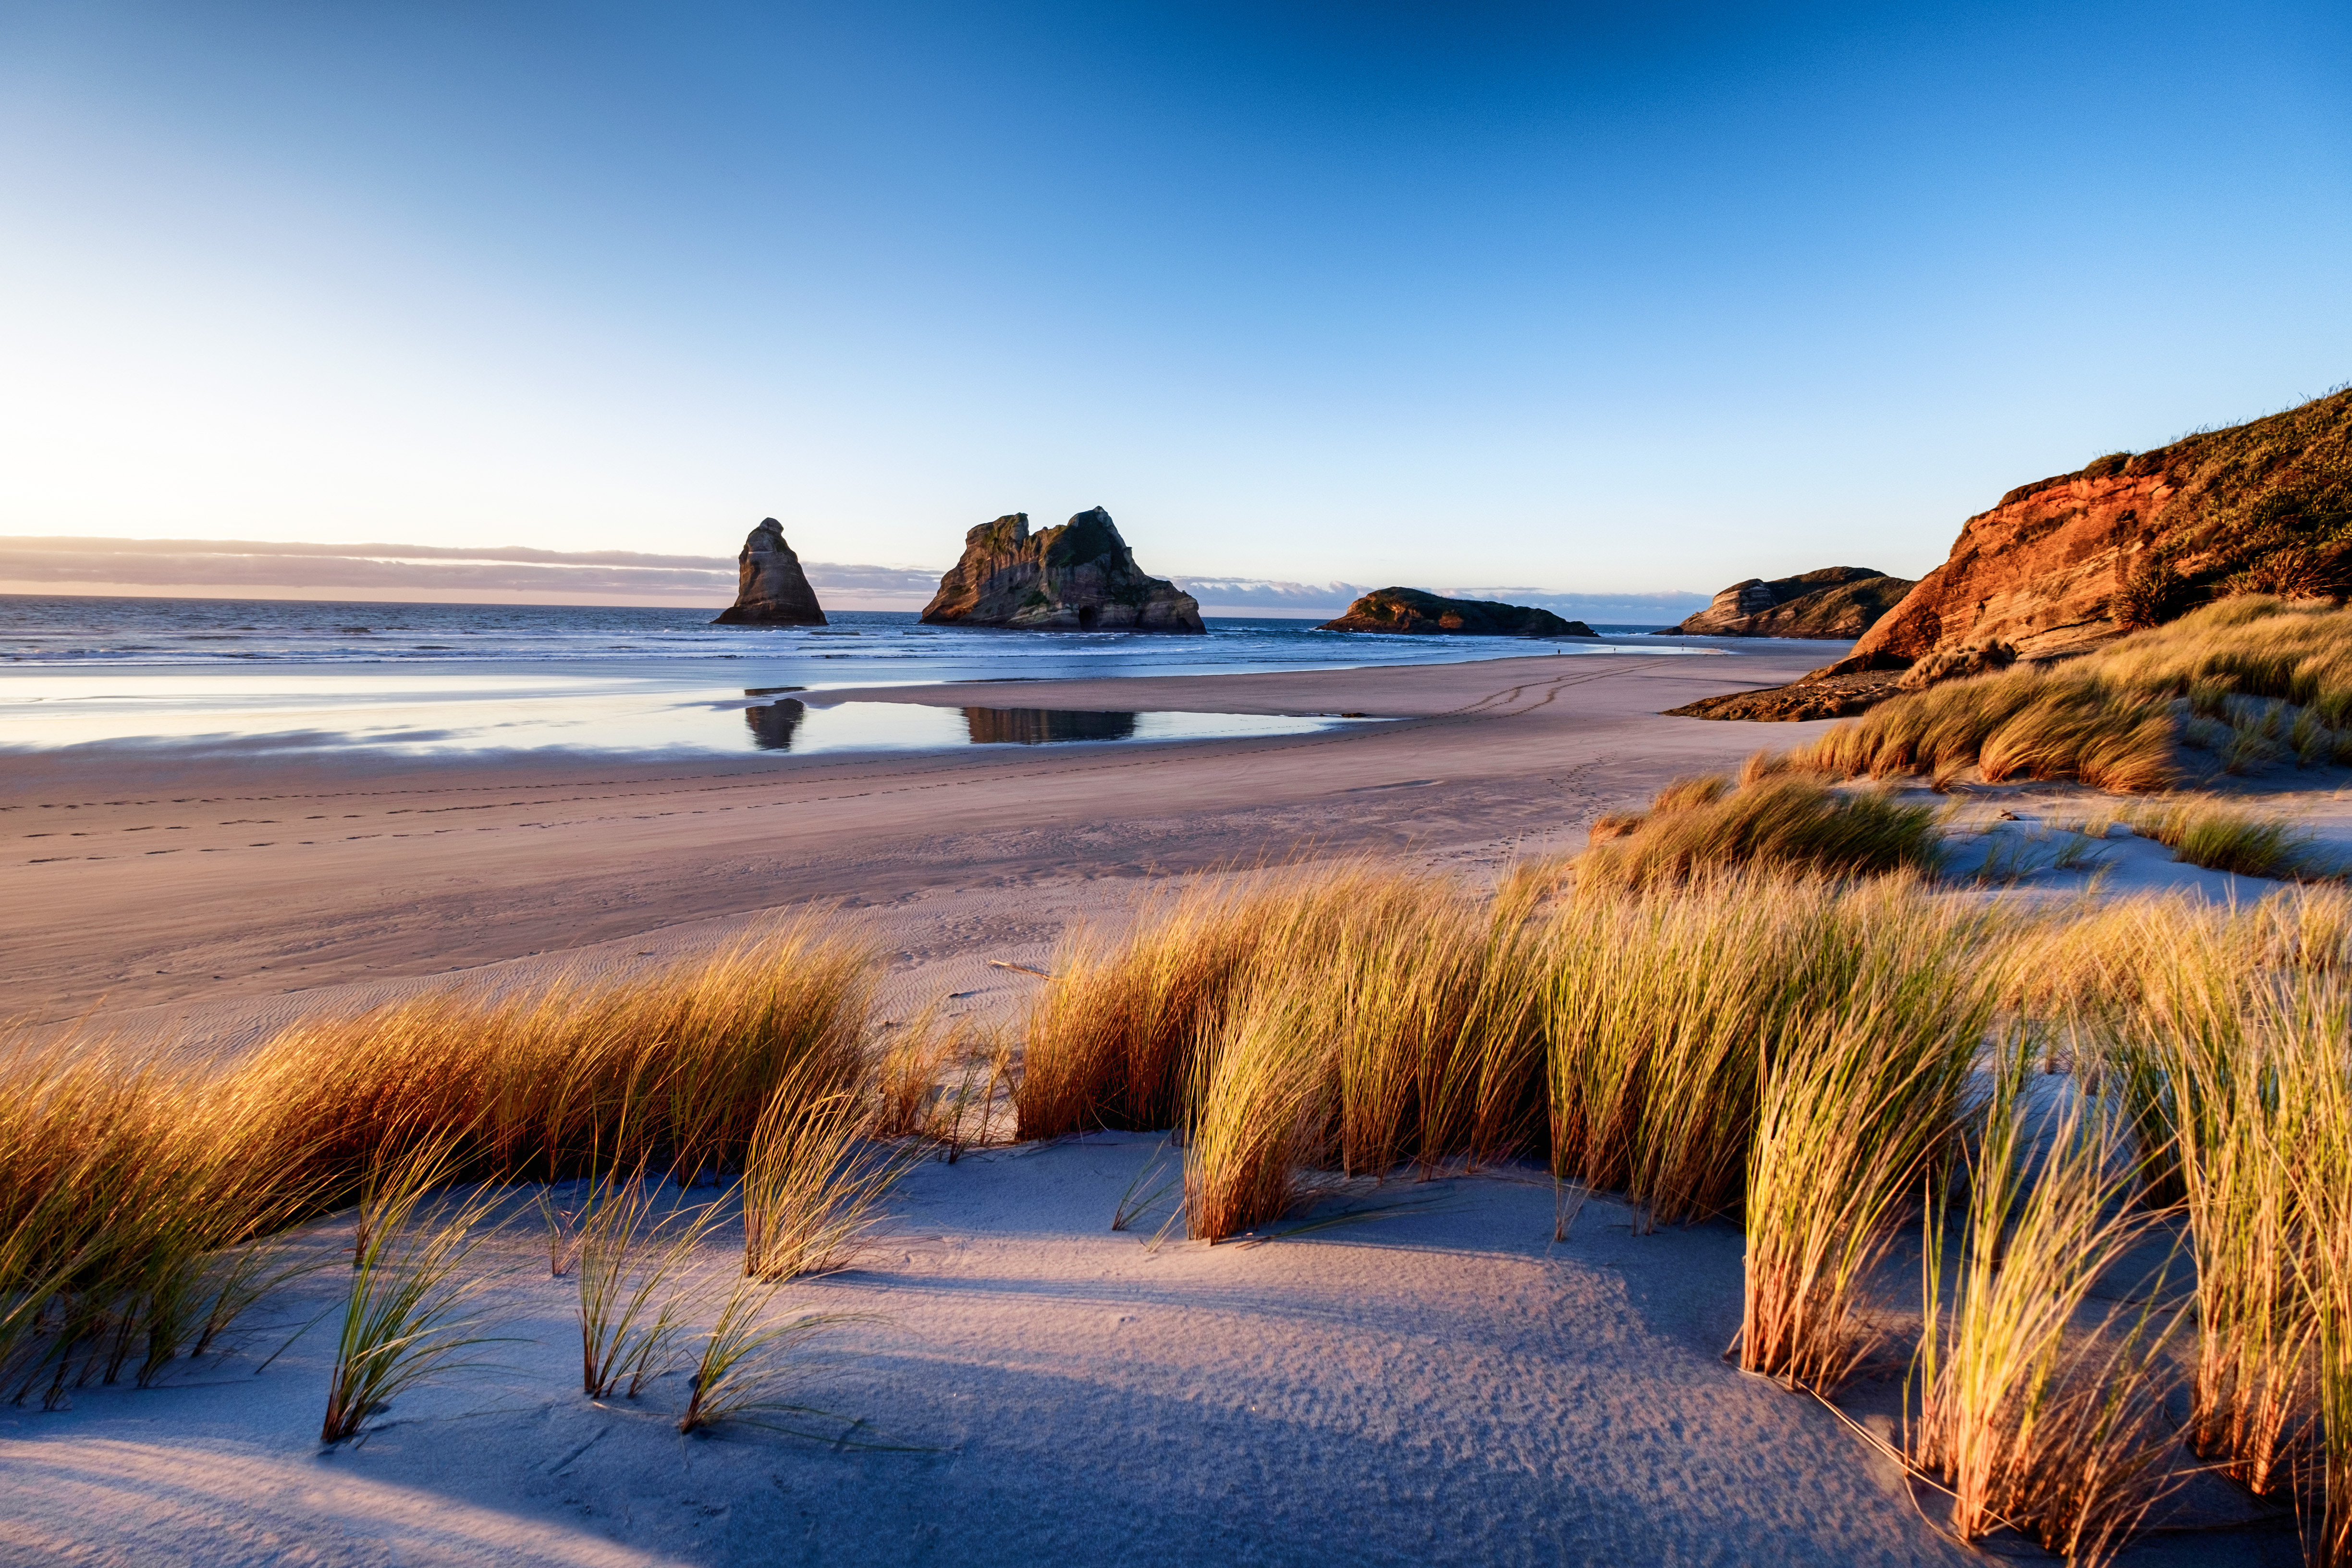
(771, 589)
(1078, 577)
(1841, 602)
(1413, 611)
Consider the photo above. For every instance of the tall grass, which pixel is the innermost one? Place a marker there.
(2207, 833)
(2042, 1414)
(131, 1194)
(1852, 1115)
(1664, 1012)
(536, 1083)
(1697, 827)
(635, 1290)
(407, 1320)
(812, 1185)
(2114, 718)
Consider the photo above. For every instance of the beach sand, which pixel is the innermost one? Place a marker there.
(1443, 1383)
(181, 893)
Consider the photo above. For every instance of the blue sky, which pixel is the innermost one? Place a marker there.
(1600, 298)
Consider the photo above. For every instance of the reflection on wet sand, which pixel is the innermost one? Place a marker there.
(772, 724)
(803, 725)
(1043, 726)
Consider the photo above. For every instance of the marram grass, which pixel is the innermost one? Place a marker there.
(2253, 678)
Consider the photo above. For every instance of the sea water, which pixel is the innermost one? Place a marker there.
(263, 675)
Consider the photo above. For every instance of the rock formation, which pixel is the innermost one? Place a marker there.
(2132, 540)
(1834, 602)
(1080, 577)
(1411, 610)
(771, 589)
(2066, 563)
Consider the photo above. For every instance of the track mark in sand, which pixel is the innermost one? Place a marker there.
(565, 1463)
(1493, 704)
(1401, 784)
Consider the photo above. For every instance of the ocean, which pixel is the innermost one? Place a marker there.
(260, 675)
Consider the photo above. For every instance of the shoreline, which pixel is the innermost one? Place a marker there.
(168, 882)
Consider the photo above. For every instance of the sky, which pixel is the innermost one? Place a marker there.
(1593, 300)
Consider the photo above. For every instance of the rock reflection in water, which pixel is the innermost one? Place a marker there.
(772, 724)
(1043, 726)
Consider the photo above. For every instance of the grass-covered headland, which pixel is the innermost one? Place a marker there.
(1830, 1057)
(2249, 680)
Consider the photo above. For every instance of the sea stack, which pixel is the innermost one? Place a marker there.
(1080, 577)
(1834, 602)
(1413, 611)
(771, 589)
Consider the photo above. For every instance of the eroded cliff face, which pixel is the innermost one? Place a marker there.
(771, 589)
(2136, 540)
(1080, 576)
(1833, 602)
(1412, 610)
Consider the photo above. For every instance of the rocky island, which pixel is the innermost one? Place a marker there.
(771, 589)
(1413, 611)
(1080, 577)
(1841, 602)
(2062, 565)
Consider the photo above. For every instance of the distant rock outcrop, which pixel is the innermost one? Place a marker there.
(2064, 564)
(1411, 610)
(1834, 602)
(771, 589)
(2132, 539)
(1080, 577)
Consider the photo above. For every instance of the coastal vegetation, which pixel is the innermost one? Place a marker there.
(2250, 680)
(2119, 1136)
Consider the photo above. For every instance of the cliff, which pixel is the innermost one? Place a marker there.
(1411, 610)
(1080, 576)
(1835, 602)
(771, 589)
(2137, 538)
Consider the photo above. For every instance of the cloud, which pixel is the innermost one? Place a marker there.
(1250, 595)
(209, 567)
(239, 568)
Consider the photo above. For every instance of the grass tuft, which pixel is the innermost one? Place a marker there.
(1781, 824)
(2205, 833)
(407, 1320)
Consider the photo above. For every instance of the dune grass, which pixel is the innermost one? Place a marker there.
(1852, 1114)
(812, 1185)
(2204, 832)
(636, 1289)
(134, 1196)
(1698, 827)
(1740, 1038)
(407, 1320)
(2037, 1420)
(2253, 678)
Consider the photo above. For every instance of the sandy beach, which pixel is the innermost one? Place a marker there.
(1440, 1383)
(168, 888)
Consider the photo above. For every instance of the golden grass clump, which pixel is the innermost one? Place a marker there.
(2038, 1420)
(674, 1067)
(1663, 1010)
(2253, 677)
(1386, 1021)
(2207, 833)
(812, 1185)
(1111, 1041)
(132, 1196)
(1853, 1112)
(1698, 827)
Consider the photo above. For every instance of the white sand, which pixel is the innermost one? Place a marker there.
(1439, 1386)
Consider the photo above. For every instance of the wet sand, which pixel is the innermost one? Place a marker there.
(160, 886)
